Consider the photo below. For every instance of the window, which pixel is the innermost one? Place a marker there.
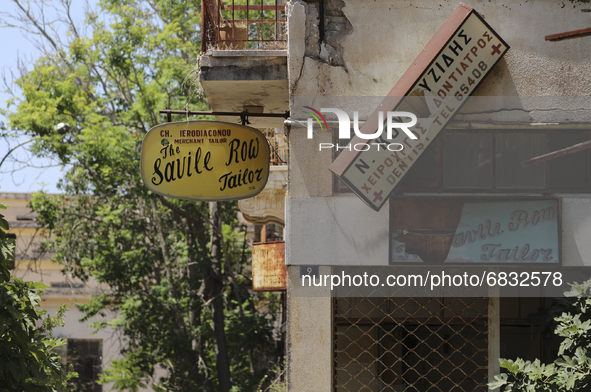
(12, 237)
(86, 355)
(268, 233)
(573, 170)
(66, 285)
(511, 150)
(521, 331)
(467, 161)
(490, 161)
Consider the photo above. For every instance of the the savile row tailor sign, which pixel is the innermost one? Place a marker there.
(497, 232)
(205, 160)
(507, 232)
(447, 71)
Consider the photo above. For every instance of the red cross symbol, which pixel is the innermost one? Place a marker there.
(496, 49)
(377, 196)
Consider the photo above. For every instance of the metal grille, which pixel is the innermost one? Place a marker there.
(243, 24)
(410, 344)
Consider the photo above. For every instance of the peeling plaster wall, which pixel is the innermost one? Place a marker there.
(369, 45)
(379, 39)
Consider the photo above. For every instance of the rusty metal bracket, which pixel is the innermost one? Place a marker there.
(569, 34)
(244, 118)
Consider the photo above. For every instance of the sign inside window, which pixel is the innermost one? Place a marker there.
(437, 84)
(513, 232)
(205, 160)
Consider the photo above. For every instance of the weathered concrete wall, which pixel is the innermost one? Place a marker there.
(368, 46)
(243, 65)
(309, 336)
(378, 40)
(344, 232)
(233, 79)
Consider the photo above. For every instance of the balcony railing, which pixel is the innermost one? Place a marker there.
(278, 145)
(242, 24)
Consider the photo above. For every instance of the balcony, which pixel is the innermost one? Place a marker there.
(244, 61)
(242, 24)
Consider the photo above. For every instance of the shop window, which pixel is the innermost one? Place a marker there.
(511, 150)
(467, 160)
(86, 356)
(521, 333)
(572, 170)
(432, 344)
(421, 174)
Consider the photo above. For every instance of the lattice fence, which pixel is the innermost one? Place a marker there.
(410, 344)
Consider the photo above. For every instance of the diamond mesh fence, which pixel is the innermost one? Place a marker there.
(410, 344)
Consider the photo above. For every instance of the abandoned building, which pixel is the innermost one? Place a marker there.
(442, 197)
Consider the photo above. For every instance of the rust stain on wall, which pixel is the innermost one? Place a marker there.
(269, 272)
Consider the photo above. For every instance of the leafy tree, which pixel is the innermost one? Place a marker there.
(174, 269)
(27, 362)
(572, 370)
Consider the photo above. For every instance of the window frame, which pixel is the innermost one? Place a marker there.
(97, 361)
(339, 187)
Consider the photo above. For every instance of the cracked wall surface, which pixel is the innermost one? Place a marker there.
(337, 28)
(324, 60)
(369, 45)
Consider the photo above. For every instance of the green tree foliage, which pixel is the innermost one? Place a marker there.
(27, 362)
(173, 271)
(572, 370)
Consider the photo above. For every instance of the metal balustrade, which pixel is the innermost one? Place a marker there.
(242, 24)
(410, 344)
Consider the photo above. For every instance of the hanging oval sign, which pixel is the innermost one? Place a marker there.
(205, 160)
